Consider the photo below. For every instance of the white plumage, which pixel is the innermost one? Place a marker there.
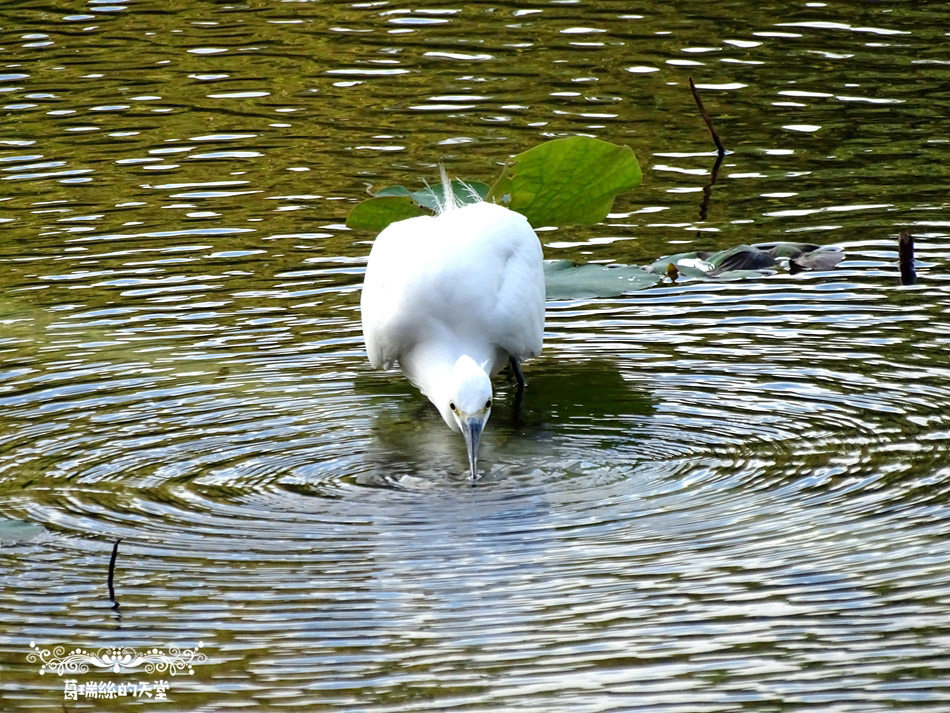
(451, 298)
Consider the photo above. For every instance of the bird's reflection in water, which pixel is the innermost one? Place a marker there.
(443, 551)
(572, 411)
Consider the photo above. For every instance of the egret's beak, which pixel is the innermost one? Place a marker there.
(472, 431)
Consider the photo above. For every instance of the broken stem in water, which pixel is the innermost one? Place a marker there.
(905, 251)
(720, 149)
(115, 552)
(709, 125)
(707, 189)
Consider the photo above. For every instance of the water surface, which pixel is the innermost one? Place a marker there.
(719, 496)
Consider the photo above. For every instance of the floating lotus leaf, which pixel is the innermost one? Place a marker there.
(13, 532)
(571, 181)
(564, 280)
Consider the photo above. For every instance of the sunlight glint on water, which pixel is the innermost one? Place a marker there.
(719, 496)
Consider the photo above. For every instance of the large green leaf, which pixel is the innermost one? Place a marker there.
(570, 181)
(376, 213)
(563, 280)
(396, 203)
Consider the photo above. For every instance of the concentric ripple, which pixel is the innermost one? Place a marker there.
(701, 480)
(715, 496)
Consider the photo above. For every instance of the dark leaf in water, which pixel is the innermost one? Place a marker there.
(824, 259)
(747, 261)
(738, 263)
(741, 257)
(564, 280)
(786, 249)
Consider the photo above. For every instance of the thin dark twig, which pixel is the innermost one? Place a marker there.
(705, 115)
(115, 553)
(707, 189)
(905, 251)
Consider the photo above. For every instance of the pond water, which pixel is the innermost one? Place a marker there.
(719, 496)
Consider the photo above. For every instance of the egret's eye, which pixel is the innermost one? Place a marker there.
(488, 403)
(452, 405)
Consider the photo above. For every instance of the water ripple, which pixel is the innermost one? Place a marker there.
(715, 496)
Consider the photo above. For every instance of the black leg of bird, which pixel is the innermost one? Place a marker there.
(519, 392)
(516, 370)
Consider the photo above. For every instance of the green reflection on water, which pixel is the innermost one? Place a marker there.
(776, 447)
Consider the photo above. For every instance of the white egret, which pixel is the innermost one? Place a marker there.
(452, 298)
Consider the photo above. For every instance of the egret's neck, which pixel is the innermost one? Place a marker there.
(429, 366)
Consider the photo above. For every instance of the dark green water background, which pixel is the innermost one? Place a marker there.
(720, 496)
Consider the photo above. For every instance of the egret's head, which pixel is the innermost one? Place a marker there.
(469, 404)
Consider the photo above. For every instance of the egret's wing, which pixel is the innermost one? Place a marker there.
(516, 321)
(472, 278)
(387, 327)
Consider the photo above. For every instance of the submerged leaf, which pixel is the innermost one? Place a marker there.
(564, 280)
(13, 532)
(376, 213)
(391, 191)
(683, 262)
(741, 257)
(697, 269)
(738, 263)
(823, 259)
(747, 261)
(786, 249)
(570, 181)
